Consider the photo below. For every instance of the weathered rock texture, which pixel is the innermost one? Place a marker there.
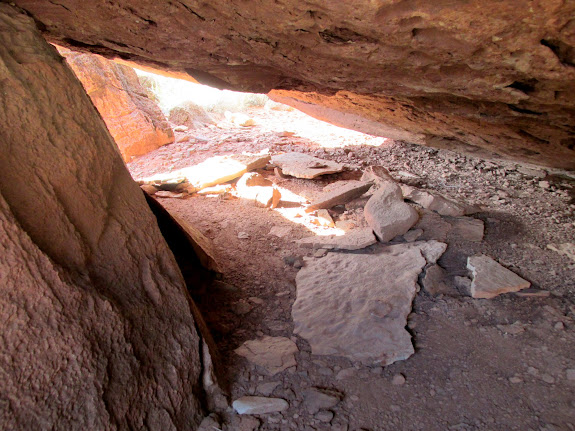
(356, 305)
(97, 330)
(134, 120)
(474, 74)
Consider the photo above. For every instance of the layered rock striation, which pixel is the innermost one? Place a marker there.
(478, 76)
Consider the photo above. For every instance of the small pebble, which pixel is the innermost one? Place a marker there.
(398, 380)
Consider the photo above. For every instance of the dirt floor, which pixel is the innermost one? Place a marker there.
(506, 363)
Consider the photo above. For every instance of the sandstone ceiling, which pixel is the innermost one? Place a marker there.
(474, 75)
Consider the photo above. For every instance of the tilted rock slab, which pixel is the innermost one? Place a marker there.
(275, 354)
(97, 327)
(339, 194)
(491, 279)
(301, 165)
(387, 214)
(356, 305)
(135, 121)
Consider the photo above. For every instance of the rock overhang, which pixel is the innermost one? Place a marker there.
(479, 76)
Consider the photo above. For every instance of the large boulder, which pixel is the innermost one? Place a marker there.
(474, 75)
(191, 115)
(97, 327)
(135, 121)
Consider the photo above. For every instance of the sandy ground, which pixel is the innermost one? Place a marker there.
(502, 364)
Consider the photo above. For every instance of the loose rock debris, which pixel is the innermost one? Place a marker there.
(277, 239)
(275, 354)
(301, 165)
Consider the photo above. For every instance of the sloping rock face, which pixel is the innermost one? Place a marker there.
(474, 75)
(97, 330)
(135, 121)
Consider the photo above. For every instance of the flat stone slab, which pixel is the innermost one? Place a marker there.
(387, 214)
(355, 239)
(275, 354)
(213, 171)
(491, 279)
(338, 194)
(259, 405)
(356, 305)
(301, 165)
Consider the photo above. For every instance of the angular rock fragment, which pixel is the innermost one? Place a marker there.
(491, 279)
(275, 354)
(213, 171)
(356, 305)
(254, 187)
(339, 194)
(377, 175)
(259, 405)
(387, 214)
(316, 399)
(435, 282)
(301, 165)
(355, 239)
(324, 218)
(431, 250)
(433, 201)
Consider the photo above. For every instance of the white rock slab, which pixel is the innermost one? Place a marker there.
(491, 279)
(356, 305)
(259, 405)
(355, 239)
(301, 165)
(275, 354)
(387, 214)
(213, 171)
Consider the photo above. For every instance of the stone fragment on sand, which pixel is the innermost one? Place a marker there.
(243, 235)
(220, 189)
(151, 190)
(398, 380)
(387, 214)
(566, 249)
(355, 239)
(325, 218)
(356, 305)
(280, 231)
(316, 399)
(259, 405)
(491, 279)
(257, 189)
(213, 171)
(433, 201)
(301, 165)
(435, 282)
(466, 228)
(339, 194)
(275, 354)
